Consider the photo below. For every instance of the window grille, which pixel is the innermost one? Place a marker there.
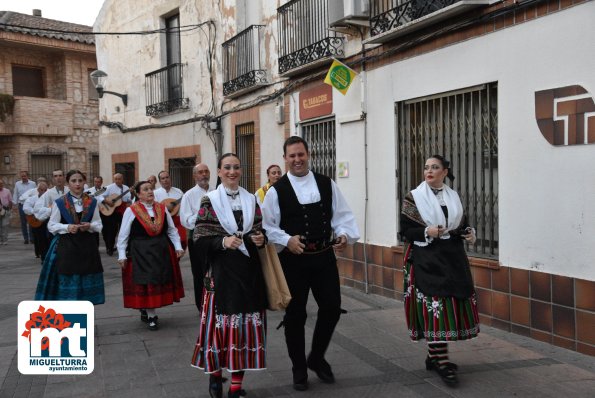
(93, 167)
(320, 136)
(245, 150)
(128, 171)
(463, 127)
(180, 172)
(42, 163)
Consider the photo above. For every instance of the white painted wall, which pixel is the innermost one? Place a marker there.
(546, 194)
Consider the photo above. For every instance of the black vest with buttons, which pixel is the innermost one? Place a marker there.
(312, 221)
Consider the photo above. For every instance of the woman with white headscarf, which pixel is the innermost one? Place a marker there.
(440, 301)
(228, 232)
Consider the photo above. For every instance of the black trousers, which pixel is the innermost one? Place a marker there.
(41, 240)
(198, 272)
(316, 272)
(111, 226)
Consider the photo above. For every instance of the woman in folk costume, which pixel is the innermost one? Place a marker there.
(440, 301)
(72, 268)
(274, 173)
(148, 252)
(228, 232)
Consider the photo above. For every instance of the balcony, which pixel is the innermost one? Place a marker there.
(390, 19)
(39, 117)
(243, 67)
(164, 91)
(304, 38)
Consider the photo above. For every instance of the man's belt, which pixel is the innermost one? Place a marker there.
(314, 246)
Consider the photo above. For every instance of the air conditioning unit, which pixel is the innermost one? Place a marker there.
(348, 12)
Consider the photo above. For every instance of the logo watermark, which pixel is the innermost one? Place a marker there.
(56, 337)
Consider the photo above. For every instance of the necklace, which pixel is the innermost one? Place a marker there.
(233, 193)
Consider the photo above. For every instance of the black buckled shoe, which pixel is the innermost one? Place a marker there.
(300, 379)
(446, 371)
(143, 316)
(322, 369)
(153, 323)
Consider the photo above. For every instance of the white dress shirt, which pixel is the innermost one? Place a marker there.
(31, 192)
(306, 190)
(91, 191)
(56, 227)
(30, 203)
(190, 206)
(42, 210)
(173, 193)
(114, 189)
(127, 220)
(20, 188)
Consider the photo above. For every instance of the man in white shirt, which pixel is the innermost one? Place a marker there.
(171, 197)
(20, 187)
(6, 203)
(39, 240)
(97, 187)
(307, 217)
(43, 206)
(111, 224)
(188, 214)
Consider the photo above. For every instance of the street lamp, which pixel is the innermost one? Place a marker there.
(98, 77)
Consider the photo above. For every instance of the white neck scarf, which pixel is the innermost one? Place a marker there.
(429, 207)
(222, 207)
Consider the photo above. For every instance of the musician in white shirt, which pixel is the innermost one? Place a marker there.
(97, 186)
(111, 223)
(37, 232)
(188, 214)
(43, 206)
(168, 192)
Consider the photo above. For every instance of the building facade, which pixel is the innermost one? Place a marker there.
(44, 76)
(503, 89)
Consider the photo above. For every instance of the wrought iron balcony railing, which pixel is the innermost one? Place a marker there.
(386, 15)
(164, 90)
(303, 34)
(243, 67)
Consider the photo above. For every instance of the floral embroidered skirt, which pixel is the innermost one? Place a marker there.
(438, 318)
(234, 342)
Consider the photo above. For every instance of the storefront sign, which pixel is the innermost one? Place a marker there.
(316, 102)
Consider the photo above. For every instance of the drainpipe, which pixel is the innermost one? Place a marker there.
(364, 115)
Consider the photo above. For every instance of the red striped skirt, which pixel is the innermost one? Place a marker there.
(152, 296)
(437, 318)
(234, 342)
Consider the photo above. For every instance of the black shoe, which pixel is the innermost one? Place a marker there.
(215, 387)
(153, 323)
(110, 252)
(26, 242)
(446, 371)
(322, 370)
(300, 379)
(235, 394)
(143, 316)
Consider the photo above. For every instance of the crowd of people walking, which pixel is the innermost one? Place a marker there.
(301, 213)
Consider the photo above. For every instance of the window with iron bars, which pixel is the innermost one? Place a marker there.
(245, 151)
(93, 167)
(320, 136)
(463, 127)
(180, 172)
(42, 165)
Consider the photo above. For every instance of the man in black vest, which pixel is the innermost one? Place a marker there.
(306, 216)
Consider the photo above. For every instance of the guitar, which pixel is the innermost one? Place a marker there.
(173, 205)
(33, 222)
(107, 209)
(96, 193)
